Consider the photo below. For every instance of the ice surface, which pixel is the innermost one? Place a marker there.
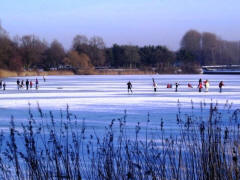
(98, 99)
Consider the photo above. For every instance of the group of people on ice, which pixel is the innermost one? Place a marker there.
(28, 84)
(200, 86)
(206, 84)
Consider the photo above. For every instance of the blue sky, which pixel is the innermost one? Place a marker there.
(136, 22)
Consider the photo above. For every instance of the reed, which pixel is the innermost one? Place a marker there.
(6, 73)
(205, 147)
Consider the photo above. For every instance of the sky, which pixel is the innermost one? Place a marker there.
(132, 22)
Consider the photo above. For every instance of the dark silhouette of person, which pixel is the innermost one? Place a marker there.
(18, 84)
(200, 86)
(129, 85)
(22, 83)
(36, 83)
(176, 85)
(1, 83)
(4, 86)
(27, 84)
(220, 86)
(199, 81)
(154, 85)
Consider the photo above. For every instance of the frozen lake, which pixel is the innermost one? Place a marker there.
(99, 99)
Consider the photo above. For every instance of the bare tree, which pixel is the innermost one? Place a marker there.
(131, 56)
(191, 41)
(54, 55)
(209, 47)
(81, 44)
(97, 53)
(9, 55)
(32, 50)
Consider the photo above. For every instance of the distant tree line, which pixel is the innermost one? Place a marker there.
(208, 49)
(29, 53)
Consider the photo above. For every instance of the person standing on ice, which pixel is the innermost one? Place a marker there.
(220, 86)
(4, 86)
(27, 84)
(200, 86)
(207, 85)
(22, 83)
(18, 84)
(176, 87)
(31, 84)
(154, 85)
(36, 83)
(129, 85)
(199, 81)
(1, 84)
(204, 83)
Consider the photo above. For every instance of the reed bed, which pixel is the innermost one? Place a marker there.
(205, 147)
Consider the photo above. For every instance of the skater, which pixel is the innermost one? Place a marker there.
(200, 86)
(220, 86)
(44, 79)
(27, 84)
(1, 83)
(189, 85)
(207, 85)
(31, 84)
(199, 81)
(4, 86)
(129, 85)
(18, 84)
(176, 87)
(36, 83)
(169, 85)
(204, 83)
(154, 86)
(22, 83)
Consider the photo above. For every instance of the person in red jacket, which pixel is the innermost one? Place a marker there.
(200, 87)
(189, 85)
(31, 84)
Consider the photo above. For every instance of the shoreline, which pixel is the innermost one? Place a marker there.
(8, 73)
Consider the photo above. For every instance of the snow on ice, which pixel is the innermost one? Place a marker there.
(98, 99)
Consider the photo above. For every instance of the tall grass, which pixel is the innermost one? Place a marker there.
(203, 148)
(6, 73)
(121, 71)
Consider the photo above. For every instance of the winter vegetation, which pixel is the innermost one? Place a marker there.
(29, 53)
(204, 147)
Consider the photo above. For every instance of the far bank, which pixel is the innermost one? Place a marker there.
(8, 73)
